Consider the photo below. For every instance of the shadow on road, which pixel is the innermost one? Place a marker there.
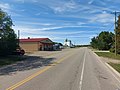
(31, 62)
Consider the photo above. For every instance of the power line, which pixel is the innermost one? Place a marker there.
(110, 27)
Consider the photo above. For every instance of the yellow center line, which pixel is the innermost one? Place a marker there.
(37, 73)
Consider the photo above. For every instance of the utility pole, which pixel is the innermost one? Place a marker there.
(18, 37)
(115, 13)
(115, 34)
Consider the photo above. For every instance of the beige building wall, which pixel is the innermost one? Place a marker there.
(29, 46)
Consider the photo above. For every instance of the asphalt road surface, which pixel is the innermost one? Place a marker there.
(72, 69)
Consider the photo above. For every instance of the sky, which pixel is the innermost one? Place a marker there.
(76, 20)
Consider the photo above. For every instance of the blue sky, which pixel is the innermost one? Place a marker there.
(77, 20)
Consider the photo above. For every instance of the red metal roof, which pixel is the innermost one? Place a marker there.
(33, 39)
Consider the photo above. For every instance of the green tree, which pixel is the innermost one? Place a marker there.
(103, 41)
(8, 38)
(94, 42)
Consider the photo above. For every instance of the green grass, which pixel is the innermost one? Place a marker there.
(115, 66)
(10, 60)
(108, 55)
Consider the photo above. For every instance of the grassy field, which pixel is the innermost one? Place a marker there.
(108, 55)
(115, 66)
(10, 60)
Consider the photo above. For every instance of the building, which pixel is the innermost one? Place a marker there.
(68, 43)
(36, 44)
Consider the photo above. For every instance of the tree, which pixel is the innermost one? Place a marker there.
(8, 38)
(94, 42)
(103, 41)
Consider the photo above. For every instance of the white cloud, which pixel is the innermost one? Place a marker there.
(35, 1)
(65, 6)
(35, 23)
(22, 1)
(4, 6)
(42, 31)
(57, 38)
(37, 14)
(102, 18)
(102, 2)
(91, 1)
(9, 9)
(34, 30)
(80, 23)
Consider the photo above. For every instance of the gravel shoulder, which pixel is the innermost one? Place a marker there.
(109, 60)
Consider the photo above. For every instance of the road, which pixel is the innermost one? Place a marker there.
(73, 69)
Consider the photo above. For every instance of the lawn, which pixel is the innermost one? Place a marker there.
(10, 60)
(108, 55)
(115, 66)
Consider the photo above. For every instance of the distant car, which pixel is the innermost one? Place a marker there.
(19, 51)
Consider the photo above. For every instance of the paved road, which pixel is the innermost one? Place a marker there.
(73, 69)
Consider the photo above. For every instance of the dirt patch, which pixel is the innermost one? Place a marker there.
(109, 60)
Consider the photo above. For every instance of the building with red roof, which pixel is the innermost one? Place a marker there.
(36, 44)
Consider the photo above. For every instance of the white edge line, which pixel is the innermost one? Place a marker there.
(109, 70)
(82, 74)
(113, 71)
(106, 65)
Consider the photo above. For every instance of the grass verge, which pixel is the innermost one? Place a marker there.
(115, 66)
(10, 60)
(108, 55)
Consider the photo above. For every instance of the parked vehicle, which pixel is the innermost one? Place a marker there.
(19, 51)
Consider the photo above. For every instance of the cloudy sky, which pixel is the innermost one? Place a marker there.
(77, 20)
